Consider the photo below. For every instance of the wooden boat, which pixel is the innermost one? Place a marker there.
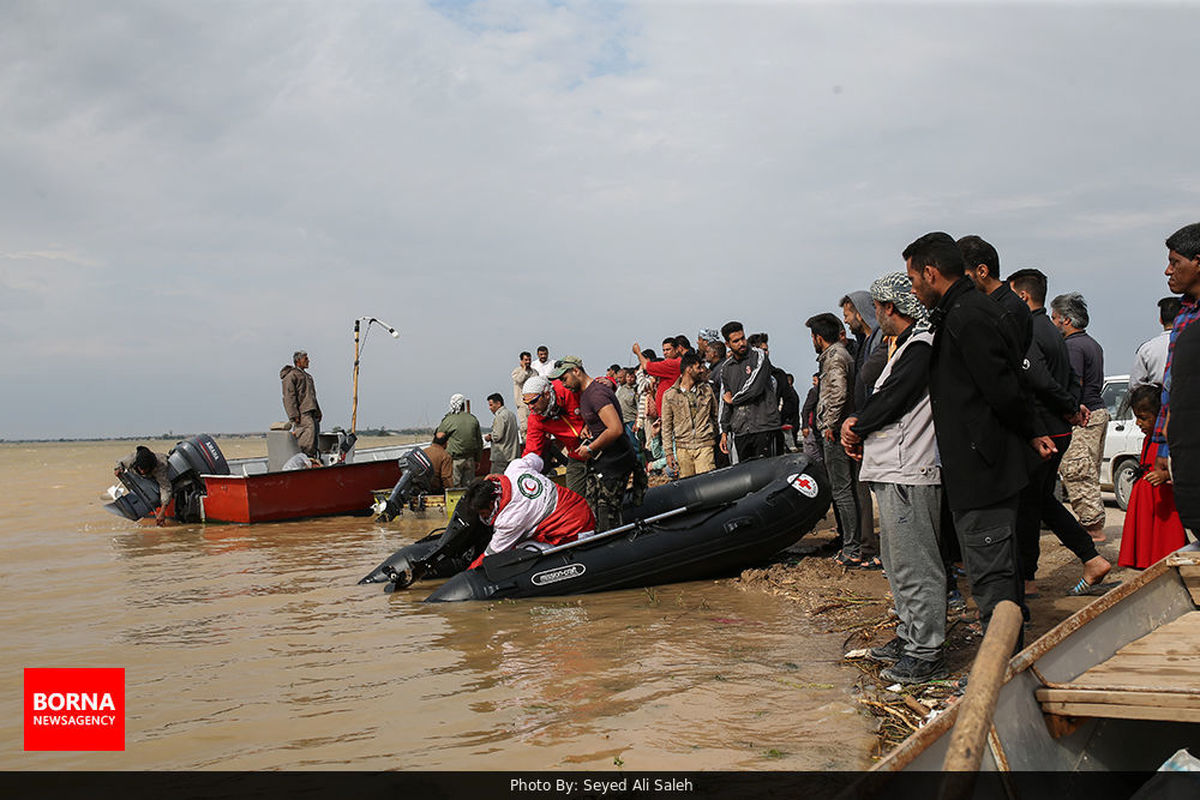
(1115, 686)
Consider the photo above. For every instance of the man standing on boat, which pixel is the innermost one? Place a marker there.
(466, 440)
(300, 403)
(609, 458)
(983, 421)
(894, 436)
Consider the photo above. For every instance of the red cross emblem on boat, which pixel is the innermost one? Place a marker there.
(804, 484)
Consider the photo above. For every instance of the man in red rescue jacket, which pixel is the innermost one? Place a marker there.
(555, 420)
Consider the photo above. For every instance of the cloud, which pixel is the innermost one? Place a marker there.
(219, 184)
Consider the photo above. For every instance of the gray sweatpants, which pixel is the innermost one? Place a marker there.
(841, 480)
(909, 527)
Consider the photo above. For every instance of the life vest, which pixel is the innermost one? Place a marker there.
(531, 507)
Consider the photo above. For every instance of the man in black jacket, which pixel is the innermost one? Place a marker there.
(1048, 375)
(982, 418)
(749, 405)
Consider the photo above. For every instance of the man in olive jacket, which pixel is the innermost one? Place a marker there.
(466, 439)
(300, 403)
(982, 417)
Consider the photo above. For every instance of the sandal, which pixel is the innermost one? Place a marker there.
(842, 560)
(1085, 589)
(873, 563)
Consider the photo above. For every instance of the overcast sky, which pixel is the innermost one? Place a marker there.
(191, 191)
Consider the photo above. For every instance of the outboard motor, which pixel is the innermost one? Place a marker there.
(417, 469)
(186, 462)
(465, 537)
(345, 447)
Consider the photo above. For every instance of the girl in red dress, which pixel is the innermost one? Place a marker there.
(1152, 525)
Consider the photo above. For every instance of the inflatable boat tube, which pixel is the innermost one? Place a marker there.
(733, 518)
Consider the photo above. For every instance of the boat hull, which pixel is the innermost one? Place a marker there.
(298, 494)
(737, 517)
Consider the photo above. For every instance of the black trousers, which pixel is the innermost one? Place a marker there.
(989, 547)
(1038, 504)
(763, 444)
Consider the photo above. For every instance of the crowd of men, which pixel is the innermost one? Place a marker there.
(956, 399)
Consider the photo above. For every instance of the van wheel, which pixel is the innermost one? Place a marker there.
(1123, 477)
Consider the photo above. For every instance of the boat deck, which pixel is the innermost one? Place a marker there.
(1115, 686)
(1154, 677)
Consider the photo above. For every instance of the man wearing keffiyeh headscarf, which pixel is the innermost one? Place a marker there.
(894, 437)
(466, 440)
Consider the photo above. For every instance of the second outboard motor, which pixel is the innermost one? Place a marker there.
(417, 470)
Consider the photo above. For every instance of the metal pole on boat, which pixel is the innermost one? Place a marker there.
(357, 353)
(354, 397)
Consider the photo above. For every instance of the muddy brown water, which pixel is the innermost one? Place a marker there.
(252, 647)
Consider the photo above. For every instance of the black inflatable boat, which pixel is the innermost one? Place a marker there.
(699, 527)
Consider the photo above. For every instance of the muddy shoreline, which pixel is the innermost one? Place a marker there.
(856, 603)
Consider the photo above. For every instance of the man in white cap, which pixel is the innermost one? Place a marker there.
(466, 440)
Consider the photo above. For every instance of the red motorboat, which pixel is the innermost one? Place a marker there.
(208, 488)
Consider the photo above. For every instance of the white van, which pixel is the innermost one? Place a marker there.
(1123, 442)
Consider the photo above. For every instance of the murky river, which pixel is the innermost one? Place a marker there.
(252, 647)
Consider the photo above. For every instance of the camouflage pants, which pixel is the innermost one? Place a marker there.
(605, 493)
(1080, 469)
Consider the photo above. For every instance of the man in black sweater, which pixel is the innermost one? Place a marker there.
(1048, 375)
(983, 420)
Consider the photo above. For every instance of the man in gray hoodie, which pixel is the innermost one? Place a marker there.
(300, 403)
(858, 312)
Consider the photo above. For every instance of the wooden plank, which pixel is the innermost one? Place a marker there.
(1191, 579)
(1123, 661)
(1179, 644)
(1111, 711)
(1113, 697)
(1149, 676)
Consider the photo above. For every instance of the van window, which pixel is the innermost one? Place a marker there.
(1116, 399)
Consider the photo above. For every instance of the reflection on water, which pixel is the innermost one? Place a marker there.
(252, 647)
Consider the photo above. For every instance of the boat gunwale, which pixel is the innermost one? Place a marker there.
(1026, 660)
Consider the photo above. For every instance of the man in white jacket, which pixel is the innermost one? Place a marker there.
(523, 505)
(893, 434)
